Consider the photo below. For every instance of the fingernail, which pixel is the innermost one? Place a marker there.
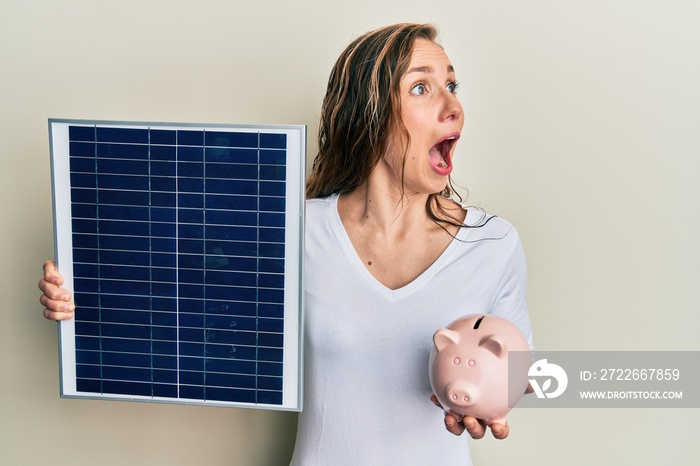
(496, 431)
(65, 297)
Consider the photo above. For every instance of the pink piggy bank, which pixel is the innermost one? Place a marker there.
(469, 367)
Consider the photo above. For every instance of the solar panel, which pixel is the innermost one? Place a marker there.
(182, 246)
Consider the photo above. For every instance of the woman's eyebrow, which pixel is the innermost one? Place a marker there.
(427, 69)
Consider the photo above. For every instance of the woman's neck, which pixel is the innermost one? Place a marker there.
(372, 204)
(392, 235)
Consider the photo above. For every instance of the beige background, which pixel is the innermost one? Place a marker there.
(583, 129)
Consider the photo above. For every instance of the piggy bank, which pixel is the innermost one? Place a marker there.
(469, 367)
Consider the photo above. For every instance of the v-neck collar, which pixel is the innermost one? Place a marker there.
(352, 256)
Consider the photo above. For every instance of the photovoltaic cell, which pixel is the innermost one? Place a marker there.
(182, 245)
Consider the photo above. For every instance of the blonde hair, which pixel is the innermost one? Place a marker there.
(361, 112)
(362, 107)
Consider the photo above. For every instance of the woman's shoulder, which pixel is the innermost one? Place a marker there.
(316, 201)
(320, 213)
(480, 225)
(318, 205)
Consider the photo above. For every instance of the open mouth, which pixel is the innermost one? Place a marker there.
(440, 153)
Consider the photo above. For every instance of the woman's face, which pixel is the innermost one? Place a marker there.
(433, 117)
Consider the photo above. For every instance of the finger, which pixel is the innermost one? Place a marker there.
(53, 292)
(55, 305)
(56, 310)
(435, 401)
(452, 425)
(51, 273)
(475, 427)
(500, 431)
(57, 316)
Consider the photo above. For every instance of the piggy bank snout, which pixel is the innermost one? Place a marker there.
(461, 394)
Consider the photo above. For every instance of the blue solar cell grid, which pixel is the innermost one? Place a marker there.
(178, 246)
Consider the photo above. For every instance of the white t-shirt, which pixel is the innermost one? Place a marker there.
(367, 392)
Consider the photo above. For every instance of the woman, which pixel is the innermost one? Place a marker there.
(389, 258)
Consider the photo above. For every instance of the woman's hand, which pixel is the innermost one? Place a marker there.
(475, 427)
(56, 301)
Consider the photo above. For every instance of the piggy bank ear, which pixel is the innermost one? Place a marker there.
(495, 344)
(444, 338)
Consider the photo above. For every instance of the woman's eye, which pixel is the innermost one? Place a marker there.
(452, 87)
(419, 89)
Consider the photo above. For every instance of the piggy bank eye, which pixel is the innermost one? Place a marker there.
(456, 361)
(471, 363)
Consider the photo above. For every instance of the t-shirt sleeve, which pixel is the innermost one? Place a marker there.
(510, 299)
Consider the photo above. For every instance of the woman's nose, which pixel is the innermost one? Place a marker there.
(452, 109)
